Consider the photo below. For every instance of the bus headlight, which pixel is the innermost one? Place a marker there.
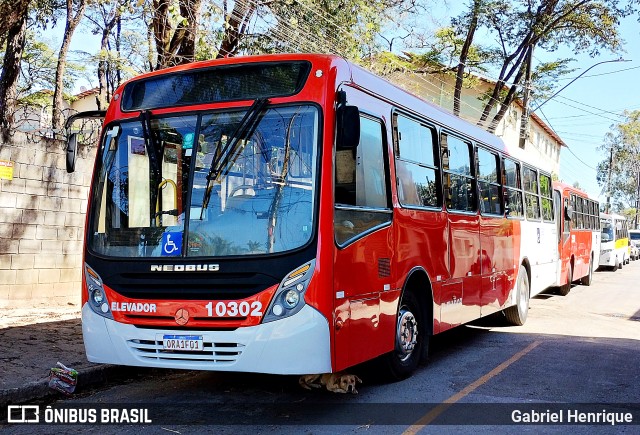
(97, 297)
(605, 251)
(289, 298)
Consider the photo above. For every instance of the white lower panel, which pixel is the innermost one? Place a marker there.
(295, 345)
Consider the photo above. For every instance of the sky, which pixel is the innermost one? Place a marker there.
(581, 114)
(585, 110)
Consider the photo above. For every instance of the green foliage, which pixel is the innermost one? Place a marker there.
(38, 70)
(621, 163)
(518, 26)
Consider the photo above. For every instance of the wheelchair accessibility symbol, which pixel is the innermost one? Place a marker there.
(171, 244)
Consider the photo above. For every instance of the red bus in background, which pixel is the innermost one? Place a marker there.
(296, 214)
(578, 221)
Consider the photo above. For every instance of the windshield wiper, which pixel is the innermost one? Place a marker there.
(151, 147)
(221, 161)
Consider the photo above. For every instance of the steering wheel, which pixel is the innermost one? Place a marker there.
(242, 191)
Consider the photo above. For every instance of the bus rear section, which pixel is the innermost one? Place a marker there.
(579, 236)
(614, 250)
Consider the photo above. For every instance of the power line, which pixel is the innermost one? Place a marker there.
(602, 74)
(568, 148)
(593, 107)
(585, 110)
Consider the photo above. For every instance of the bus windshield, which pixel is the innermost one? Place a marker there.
(607, 232)
(149, 195)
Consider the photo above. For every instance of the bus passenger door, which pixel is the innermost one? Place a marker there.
(461, 294)
(363, 282)
(496, 234)
(566, 244)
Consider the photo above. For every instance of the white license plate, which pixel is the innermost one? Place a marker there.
(190, 343)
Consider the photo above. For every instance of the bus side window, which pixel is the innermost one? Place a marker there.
(546, 193)
(361, 194)
(531, 195)
(458, 180)
(416, 167)
(488, 182)
(512, 188)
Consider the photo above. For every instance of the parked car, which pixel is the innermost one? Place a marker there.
(634, 242)
(634, 253)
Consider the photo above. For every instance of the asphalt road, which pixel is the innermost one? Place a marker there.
(576, 354)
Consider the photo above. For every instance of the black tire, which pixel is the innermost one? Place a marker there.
(410, 340)
(587, 280)
(621, 263)
(566, 288)
(517, 314)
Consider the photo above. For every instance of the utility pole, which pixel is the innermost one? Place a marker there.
(635, 223)
(609, 180)
(524, 123)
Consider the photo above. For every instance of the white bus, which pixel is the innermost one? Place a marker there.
(614, 250)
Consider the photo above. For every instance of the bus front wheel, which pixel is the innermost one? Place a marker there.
(517, 314)
(410, 339)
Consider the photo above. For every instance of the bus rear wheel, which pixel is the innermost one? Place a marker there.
(517, 314)
(566, 288)
(587, 280)
(410, 340)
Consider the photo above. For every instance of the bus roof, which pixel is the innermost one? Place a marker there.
(358, 77)
(559, 185)
(612, 216)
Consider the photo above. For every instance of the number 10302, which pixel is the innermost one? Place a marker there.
(234, 309)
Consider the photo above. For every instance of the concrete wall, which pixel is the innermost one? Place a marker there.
(42, 214)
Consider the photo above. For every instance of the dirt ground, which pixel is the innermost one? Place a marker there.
(34, 340)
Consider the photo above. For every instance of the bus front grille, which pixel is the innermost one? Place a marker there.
(214, 352)
(201, 286)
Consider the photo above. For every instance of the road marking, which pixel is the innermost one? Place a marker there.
(434, 413)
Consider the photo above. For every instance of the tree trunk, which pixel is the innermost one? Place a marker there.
(464, 54)
(161, 31)
(11, 14)
(103, 82)
(70, 27)
(238, 21)
(187, 45)
(16, 38)
(506, 102)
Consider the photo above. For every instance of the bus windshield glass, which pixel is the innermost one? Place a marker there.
(149, 195)
(607, 232)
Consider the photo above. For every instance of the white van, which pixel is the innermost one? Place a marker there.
(634, 238)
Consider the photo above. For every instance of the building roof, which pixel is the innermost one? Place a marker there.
(87, 93)
(533, 116)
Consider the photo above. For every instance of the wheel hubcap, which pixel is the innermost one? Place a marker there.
(407, 334)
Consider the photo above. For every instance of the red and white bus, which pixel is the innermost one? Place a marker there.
(578, 221)
(296, 214)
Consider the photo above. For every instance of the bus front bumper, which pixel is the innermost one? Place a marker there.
(299, 344)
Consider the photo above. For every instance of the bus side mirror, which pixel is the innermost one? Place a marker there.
(72, 152)
(348, 127)
(568, 213)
